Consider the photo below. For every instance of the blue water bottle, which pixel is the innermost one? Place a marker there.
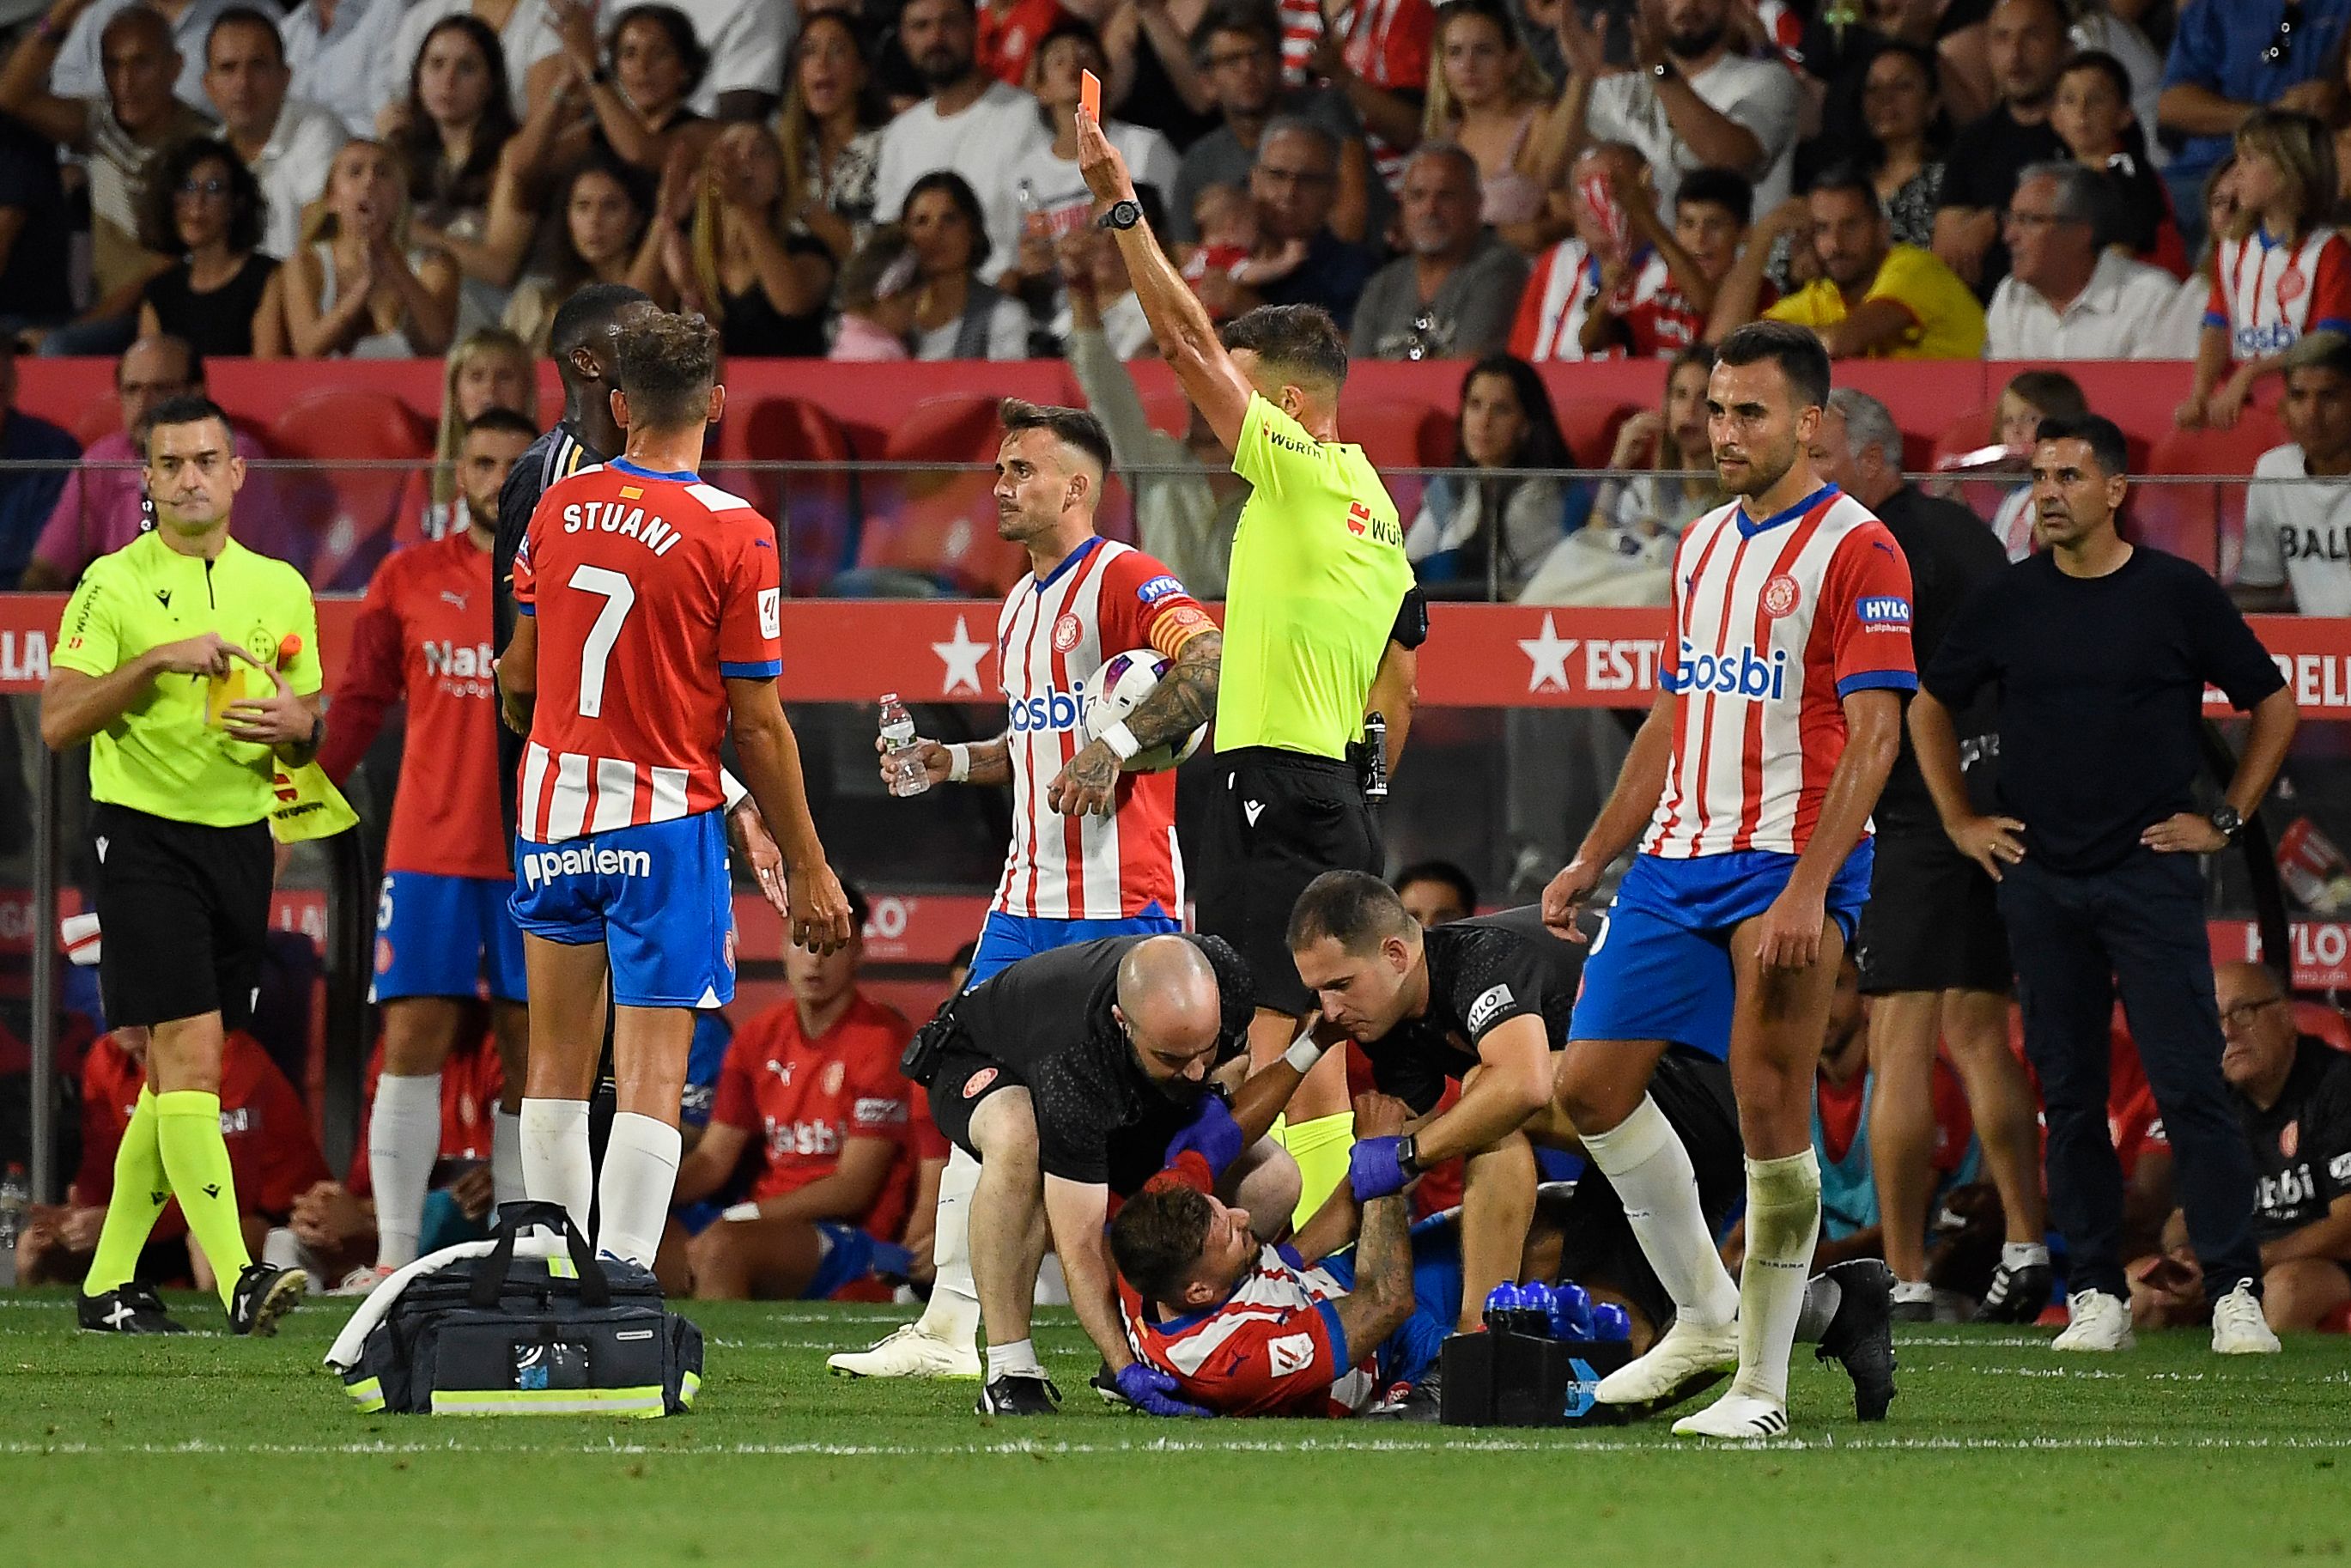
(1502, 1307)
(1609, 1322)
(1535, 1309)
(1570, 1313)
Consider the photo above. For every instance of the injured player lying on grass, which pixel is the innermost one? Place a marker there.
(1347, 1318)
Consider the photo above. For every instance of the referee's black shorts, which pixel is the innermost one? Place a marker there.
(1280, 819)
(1932, 923)
(183, 914)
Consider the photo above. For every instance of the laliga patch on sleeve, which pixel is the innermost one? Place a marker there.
(1492, 1000)
(1158, 588)
(1291, 1353)
(1885, 610)
(771, 613)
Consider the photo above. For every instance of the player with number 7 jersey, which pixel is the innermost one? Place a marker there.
(648, 628)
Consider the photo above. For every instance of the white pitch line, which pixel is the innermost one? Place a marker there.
(198, 1447)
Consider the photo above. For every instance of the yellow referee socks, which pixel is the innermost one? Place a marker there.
(1320, 1147)
(195, 1162)
(139, 1197)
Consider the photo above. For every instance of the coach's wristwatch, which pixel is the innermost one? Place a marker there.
(2225, 818)
(1122, 215)
(1408, 1157)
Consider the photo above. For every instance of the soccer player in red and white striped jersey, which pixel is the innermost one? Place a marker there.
(649, 629)
(1094, 848)
(1755, 776)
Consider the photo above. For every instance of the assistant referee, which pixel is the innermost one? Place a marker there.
(1322, 620)
(190, 665)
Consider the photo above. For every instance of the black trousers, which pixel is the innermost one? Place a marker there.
(2076, 940)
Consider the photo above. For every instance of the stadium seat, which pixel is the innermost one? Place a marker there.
(939, 525)
(1169, 411)
(2204, 522)
(1590, 426)
(1399, 437)
(2324, 1021)
(817, 513)
(350, 515)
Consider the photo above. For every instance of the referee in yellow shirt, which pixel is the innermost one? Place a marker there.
(1322, 620)
(190, 665)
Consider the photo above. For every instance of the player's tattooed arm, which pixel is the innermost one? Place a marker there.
(1382, 1299)
(985, 761)
(1183, 699)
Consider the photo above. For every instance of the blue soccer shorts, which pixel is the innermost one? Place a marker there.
(1660, 967)
(443, 935)
(657, 895)
(1006, 939)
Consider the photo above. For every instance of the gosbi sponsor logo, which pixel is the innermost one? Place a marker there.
(1050, 711)
(1736, 672)
(546, 865)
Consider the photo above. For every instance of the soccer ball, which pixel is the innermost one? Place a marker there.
(1113, 690)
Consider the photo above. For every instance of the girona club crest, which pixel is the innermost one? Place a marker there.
(1066, 632)
(1780, 596)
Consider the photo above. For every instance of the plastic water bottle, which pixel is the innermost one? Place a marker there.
(901, 757)
(1502, 1308)
(16, 1197)
(1535, 1309)
(1610, 1323)
(1571, 1312)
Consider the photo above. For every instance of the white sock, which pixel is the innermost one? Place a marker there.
(1644, 1160)
(1823, 1297)
(1013, 1360)
(1913, 1291)
(633, 1193)
(2023, 1254)
(1783, 1224)
(555, 1166)
(505, 1156)
(953, 1312)
(403, 1140)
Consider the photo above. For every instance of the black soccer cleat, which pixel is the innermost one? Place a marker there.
(265, 1293)
(1422, 1403)
(127, 1309)
(2017, 1295)
(1105, 1383)
(1020, 1393)
(1861, 1333)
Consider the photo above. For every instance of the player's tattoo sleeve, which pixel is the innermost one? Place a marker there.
(1382, 1299)
(1185, 697)
(991, 761)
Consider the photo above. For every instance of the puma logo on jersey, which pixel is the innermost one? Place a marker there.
(1252, 809)
(451, 596)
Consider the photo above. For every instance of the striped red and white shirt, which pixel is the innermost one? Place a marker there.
(1560, 295)
(650, 591)
(1272, 1348)
(2268, 295)
(1387, 43)
(1777, 622)
(1052, 636)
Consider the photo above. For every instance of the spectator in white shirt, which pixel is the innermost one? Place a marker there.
(2298, 508)
(746, 40)
(956, 315)
(288, 144)
(79, 73)
(332, 48)
(971, 124)
(1692, 102)
(527, 35)
(2066, 296)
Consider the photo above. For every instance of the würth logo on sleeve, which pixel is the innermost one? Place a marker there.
(1359, 517)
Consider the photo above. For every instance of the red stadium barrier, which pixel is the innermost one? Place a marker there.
(871, 401)
(1479, 655)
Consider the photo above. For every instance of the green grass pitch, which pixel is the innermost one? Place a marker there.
(135, 1453)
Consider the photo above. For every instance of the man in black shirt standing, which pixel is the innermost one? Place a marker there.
(1486, 1001)
(2293, 1101)
(2027, 45)
(1932, 951)
(2100, 651)
(1075, 1075)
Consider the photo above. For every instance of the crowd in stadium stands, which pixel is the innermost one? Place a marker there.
(1497, 182)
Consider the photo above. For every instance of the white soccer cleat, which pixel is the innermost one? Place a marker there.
(1740, 1418)
(1686, 1359)
(2101, 1321)
(2240, 1327)
(363, 1280)
(908, 1352)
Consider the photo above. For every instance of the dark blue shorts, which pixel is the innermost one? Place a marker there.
(657, 896)
(1006, 939)
(1660, 967)
(444, 936)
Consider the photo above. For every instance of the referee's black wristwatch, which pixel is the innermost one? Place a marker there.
(1122, 215)
(2225, 818)
(1409, 1155)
